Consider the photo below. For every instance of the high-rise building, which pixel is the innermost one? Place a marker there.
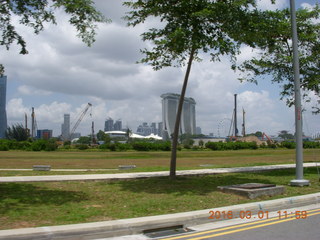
(65, 127)
(44, 134)
(170, 102)
(198, 131)
(117, 126)
(3, 113)
(160, 129)
(154, 129)
(108, 125)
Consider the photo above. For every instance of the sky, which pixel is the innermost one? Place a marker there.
(61, 75)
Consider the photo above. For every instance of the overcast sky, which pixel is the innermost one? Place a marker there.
(61, 75)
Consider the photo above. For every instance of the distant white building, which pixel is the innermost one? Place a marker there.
(115, 134)
(170, 102)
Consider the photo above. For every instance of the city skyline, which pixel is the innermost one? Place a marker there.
(60, 75)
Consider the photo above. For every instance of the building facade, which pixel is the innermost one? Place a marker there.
(44, 134)
(170, 102)
(117, 126)
(108, 125)
(3, 113)
(65, 127)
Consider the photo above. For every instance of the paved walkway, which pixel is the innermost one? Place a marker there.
(137, 175)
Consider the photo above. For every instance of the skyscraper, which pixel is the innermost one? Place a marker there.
(170, 102)
(108, 125)
(3, 113)
(117, 125)
(65, 127)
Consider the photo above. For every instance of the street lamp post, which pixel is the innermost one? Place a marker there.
(299, 181)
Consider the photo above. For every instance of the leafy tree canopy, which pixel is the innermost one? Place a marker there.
(17, 132)
(34, 13)
(285, 134)
(270, 32)
(195, 24)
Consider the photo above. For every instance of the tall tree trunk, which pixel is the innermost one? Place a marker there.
(173, 162)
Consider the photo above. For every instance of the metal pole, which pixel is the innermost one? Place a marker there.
(235, 116)
(299, 181)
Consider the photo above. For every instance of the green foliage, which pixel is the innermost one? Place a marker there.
(34, 14)
(195, 24)
(101, 135)
(308, 144)
(288, 144)
(17, 132)
(270, 31)
(285, 134)
(220, 146)
(257, 134)
(151, 146)
(82, 146)
(4, 145)
(38, 145)
(84, 140)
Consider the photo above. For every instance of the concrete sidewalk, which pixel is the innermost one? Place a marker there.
(137, 175)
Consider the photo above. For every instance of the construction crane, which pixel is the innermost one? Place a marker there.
(83, 113)
(265, 135)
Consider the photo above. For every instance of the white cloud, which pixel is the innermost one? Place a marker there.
(26, 90)
(267, 5)
(16, 110)
(61, 74)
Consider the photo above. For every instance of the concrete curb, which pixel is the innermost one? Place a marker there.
(137, 175)
(130, 226)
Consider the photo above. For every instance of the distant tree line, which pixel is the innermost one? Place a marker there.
(142, 145)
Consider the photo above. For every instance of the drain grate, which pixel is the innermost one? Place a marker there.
(166, 231)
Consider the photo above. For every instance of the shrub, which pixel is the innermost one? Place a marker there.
(113, 147)
(218, 146)
(4, 147)
(309, 144)
(51, 146)
(289, 145)
(82, 146)
(39, 145)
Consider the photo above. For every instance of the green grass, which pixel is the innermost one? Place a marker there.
(55, 203)
(152, 160)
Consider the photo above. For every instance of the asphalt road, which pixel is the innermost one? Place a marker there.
(292, 224)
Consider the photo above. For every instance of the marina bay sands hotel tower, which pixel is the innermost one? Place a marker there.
(3, 113)
(170, 102)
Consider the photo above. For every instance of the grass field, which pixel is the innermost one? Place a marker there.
(151, 161)
(55, 203)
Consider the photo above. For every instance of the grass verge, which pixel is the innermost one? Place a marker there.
(147, 161)
(56, 203)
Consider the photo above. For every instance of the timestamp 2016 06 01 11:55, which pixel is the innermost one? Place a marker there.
(282, 214)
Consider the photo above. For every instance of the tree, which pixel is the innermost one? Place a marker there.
(128, 134)
(275, 51)
(17, 132)
(34, 13)
(285, 134)
(188, 28)
(84, 140)
(101, 135)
